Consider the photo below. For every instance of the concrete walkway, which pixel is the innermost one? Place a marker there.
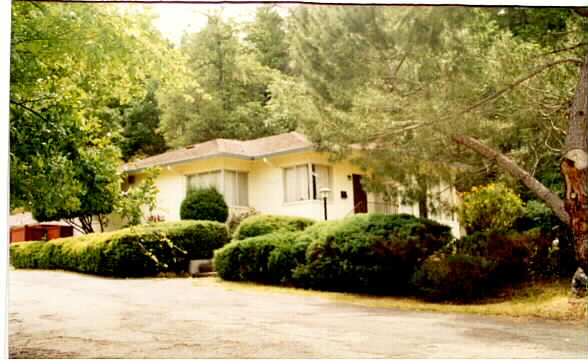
(66, 315)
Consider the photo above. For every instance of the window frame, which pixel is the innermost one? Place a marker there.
(222, 183)
(312, 186)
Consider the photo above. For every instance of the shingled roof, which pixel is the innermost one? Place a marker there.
(248, 149)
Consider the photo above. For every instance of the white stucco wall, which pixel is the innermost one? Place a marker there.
(266, 187)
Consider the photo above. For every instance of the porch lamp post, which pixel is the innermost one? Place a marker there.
(324, 194)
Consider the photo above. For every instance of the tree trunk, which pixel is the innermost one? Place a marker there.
(423, 198)
(574, 166)
(551, 200)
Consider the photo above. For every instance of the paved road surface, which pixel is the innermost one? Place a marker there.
(65, 315)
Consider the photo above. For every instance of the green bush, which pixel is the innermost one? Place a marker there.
(374, 253)
(199, 238)
(204, 204)
(290, 254)
(235, 219)
(553, 255)
(256, 259)
(490, 208)
(512, 252)
(265, 224)
(461, 278)
(132, 252)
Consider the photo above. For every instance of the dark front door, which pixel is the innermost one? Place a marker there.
(359, 195)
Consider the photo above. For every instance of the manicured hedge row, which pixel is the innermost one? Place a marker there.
(198, 237)
(133, 252)
(265, 224)
(368, 253)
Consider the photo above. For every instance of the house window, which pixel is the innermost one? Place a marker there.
(235, 188)
(303, 182)
(232, 184)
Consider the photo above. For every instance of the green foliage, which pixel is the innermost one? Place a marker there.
(227, 263)
(537, 216)
(403, 80)
(481, 263)
(132, 252)
(235, 219)
(199, 238)
(366, 253)
(265, 224)
(490, 208)
(65, 59)
(140, 122)
(96, 173)
(374, 253)
(130, 203)
(268, 258)
(460, 278)
(288, 256)
(229, 99)
(204, 204)
(511, 252)
(268, 37)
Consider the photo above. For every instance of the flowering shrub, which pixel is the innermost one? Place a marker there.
(490, 208)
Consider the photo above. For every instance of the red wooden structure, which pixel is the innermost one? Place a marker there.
(39, 232)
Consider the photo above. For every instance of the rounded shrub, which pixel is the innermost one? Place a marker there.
(226, 261)
(460, 278)
(490, 208)
(265, 224)
(374, 253)
(253, 259)
(204, 204)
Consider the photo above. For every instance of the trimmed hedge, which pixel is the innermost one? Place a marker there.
(132, 252)
(199, 238)
(265, 224)
(373, 253)
(263, 258)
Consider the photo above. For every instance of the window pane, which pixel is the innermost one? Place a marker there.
(230, 188)
(214, 180)
(290, 184)
(243, 189)
(322, 178)
(302, 182)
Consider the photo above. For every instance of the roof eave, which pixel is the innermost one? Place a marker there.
(223, 154)
(177, 162)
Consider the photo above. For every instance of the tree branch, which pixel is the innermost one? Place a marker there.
(28, 109)
(551, 200)
(566, 49)
(519, 81)
(74, 224)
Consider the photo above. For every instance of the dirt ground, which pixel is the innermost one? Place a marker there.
(55, 314)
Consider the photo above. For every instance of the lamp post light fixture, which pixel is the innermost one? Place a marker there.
(324, 194)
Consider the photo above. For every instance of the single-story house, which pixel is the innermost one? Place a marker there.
(278, 175)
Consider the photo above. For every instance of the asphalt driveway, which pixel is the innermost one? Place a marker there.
(54, 314)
